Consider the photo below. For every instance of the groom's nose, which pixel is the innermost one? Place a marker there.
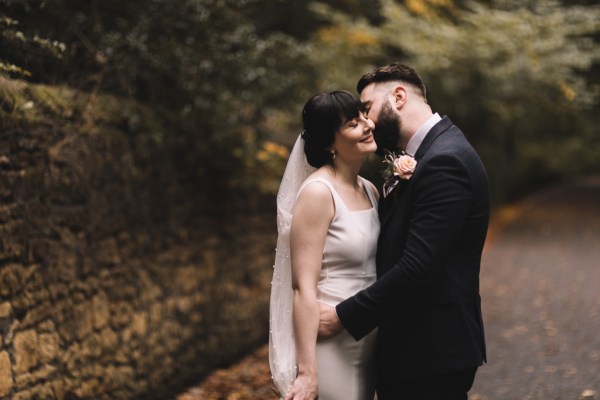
(370, 124)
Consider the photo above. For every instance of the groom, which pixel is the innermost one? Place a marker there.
(426, 301)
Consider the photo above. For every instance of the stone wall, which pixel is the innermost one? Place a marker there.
(115, 283)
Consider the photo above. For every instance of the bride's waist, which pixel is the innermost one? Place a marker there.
(329, 275)
(332, 289)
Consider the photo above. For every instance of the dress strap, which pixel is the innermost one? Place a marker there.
(334, 193)
(369, 189)
(316, 179)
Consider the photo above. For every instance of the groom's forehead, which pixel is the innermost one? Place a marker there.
(370, 95)
(367, 93)
(377, 89)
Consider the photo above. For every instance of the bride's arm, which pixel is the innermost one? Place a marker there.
(313, 213)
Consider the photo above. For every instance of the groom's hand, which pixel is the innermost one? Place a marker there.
(329, 323)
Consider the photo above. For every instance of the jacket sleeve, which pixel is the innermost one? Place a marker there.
(442, 199)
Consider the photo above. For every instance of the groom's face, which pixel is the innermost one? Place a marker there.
(387, 122)
(387, 130)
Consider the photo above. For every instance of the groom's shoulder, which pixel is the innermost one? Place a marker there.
(452, 139)
(453, 144)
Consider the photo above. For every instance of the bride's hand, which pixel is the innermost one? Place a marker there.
(329, 323)
(305, 387)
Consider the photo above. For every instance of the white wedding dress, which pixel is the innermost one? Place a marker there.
(345, 367)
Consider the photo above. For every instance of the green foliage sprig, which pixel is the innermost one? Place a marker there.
(11, 37)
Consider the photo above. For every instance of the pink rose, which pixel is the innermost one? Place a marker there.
(404, 166)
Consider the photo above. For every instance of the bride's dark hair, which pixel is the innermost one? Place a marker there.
(322, 117)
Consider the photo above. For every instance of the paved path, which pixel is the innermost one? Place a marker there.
(540, 284)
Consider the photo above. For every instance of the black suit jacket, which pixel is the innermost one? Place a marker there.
(426, 301)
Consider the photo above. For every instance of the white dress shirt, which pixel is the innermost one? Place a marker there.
(415, 141)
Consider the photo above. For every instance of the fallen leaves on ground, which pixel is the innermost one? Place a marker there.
(250, 379)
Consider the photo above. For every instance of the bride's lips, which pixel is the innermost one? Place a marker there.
(368, 139)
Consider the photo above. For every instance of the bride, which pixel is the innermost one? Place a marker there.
(328, 227)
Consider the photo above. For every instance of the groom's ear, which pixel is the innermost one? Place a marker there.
(400, 96)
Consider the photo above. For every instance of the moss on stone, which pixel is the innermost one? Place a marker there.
(37, 103)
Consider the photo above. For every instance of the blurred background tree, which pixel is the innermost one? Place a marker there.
(202, 62)
(520, 77)
(514, 77)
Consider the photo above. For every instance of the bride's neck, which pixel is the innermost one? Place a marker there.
(346, 173)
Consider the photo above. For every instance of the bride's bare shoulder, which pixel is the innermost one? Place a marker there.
(315, 191)
(322, 172)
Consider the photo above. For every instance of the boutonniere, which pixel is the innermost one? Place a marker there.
(401, 166)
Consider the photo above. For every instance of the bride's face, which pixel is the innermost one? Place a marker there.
(355, 138)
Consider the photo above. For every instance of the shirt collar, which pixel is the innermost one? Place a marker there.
(415, 141)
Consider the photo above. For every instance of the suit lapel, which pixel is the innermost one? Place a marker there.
(443, 125)
(390, 202)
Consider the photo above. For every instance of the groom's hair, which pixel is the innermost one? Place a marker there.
(390, 73)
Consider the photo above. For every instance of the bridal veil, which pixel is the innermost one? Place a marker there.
(282, 354)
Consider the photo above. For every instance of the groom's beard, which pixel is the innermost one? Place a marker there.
(387, 130)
